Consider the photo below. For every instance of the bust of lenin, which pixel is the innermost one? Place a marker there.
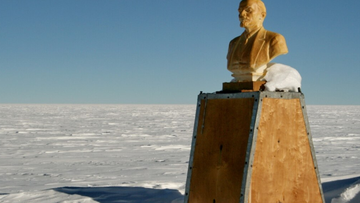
(250, 52)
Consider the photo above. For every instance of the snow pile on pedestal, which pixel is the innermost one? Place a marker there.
(280, 77)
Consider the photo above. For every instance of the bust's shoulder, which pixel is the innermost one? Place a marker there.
(277, 43)
(235, 39)
(274, 35)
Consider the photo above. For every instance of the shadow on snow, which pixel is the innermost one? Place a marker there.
(125, 194)
(332, 192)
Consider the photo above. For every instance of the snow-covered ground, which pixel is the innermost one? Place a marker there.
(139, 153)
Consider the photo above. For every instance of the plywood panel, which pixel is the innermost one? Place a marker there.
(283, 168)
(220, 150)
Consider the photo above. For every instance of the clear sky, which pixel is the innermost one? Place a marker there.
(165, 51)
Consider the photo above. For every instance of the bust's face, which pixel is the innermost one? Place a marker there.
(250, 14)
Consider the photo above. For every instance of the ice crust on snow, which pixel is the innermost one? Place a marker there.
(280, 77)
(99, 153)
(342, 190)
(350, 195)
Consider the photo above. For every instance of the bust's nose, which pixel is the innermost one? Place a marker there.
(242, 14)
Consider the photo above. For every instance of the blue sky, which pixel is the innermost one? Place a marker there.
(165, 51)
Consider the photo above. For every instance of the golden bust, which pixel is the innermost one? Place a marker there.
(250, 52)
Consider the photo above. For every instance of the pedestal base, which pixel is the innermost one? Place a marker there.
(232, 87)
(252, 148)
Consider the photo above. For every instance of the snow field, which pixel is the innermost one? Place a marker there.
(132, 153)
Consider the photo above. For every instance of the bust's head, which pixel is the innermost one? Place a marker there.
(251, 14)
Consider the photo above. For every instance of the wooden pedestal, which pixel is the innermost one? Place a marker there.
(253, 147)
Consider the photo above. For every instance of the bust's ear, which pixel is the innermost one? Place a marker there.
(263, 14)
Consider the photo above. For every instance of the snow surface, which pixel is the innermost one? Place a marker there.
(139, 153)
